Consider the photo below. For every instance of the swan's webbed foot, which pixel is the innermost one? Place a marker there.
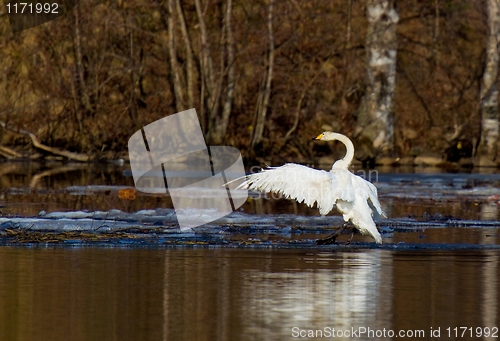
(333, 237)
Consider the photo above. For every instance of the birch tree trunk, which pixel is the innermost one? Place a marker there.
(375, 116)
(489, 88)
(264, 96)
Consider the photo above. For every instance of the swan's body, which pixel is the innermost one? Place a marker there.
(353, 196)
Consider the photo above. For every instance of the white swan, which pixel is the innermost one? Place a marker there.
(353, 196)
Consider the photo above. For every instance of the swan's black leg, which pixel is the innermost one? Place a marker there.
(354, 231)
(333, 237)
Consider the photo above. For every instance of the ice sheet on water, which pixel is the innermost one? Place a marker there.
(165, 219)
(70, 215)
(92, 189)
(410, 185)
(146, 212)
(390, 191)
(160, 227)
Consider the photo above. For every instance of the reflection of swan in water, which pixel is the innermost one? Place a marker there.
(489, 304)
(345, 290)
(353, 196)
(489, 210)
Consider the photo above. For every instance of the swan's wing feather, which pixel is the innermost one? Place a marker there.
(312, 186)
(369, 191)
(295, 181)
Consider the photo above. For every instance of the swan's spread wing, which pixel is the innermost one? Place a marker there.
(295, 181)
(369, 192)
(311, 186)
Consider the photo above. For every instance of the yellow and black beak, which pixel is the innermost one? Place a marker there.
(320, 136)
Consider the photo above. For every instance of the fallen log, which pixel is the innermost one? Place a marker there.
(37, 144)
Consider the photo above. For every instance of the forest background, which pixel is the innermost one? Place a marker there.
(264, 77)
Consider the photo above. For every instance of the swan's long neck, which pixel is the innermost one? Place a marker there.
(349, 155)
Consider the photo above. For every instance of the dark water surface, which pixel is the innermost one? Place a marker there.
(29, 188)
(224, 294)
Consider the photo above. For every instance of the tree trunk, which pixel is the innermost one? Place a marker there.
(489, 88)
(206, 67)
(435, 34)
(190, 71)
(134, 82)
(80, 74)
(375, 116)
(174, 68)
(349, 21)
(264, 96)
(221, 121)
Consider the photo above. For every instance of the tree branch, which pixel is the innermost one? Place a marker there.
(39, 145)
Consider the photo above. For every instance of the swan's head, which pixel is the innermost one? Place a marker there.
(327, 136)
(330, 136)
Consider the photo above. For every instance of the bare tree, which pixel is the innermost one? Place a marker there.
(207, 73)
(174, 67)
(80, 72)
(265, 94)
(489, 87)
(190, 69)
(435, 33)
(375, 117)
(349, 22)
(221, 120)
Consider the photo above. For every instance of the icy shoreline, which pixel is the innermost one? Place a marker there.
(158, 228)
